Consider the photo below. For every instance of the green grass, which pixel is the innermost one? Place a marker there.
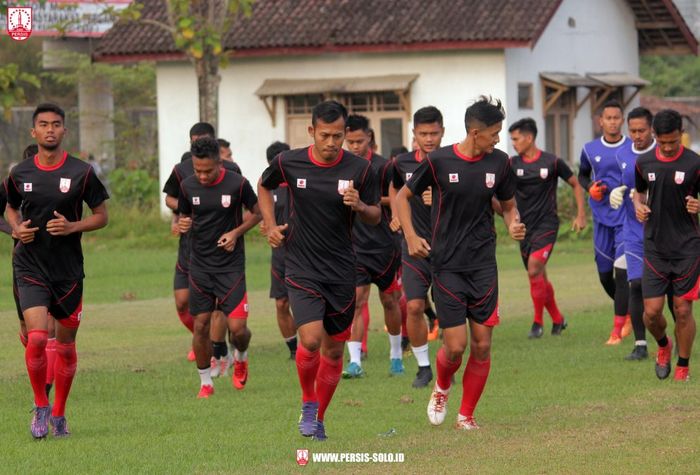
(556, 405)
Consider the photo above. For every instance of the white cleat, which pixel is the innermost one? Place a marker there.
(437, 406)
(466, 423)
(224, 364)
(215, 368)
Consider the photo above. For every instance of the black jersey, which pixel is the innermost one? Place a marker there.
(281, 197)
(463, 235)
(405, 165)
(536, 192)
(671, 232)
(3, 196)
(319, 237)
(37, 191)
(216, 210)
(377, 239)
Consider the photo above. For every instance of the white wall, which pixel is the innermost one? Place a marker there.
(603, 40)
(447, 80)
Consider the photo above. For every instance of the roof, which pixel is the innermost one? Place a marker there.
(685, 106)
(280, 27)
(662, 29)
(280, 87)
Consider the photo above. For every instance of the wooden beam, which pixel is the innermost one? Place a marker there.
(583, 101)
(271, 106)
(405, 99)
(655, 25)
(597, 102)
(627, 101)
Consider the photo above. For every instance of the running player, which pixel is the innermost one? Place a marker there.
(639, 122)
(328, 187)
(377, 257)
(416, 277)
(667, 180)
(599, 174)
(45, 197)
(536, 175)
(225, 150)
(210, 212)
(464, 179)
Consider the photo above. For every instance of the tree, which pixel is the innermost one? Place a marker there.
(198, 28)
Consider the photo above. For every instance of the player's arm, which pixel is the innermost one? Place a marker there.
(171, 202)
(251, 218)
(511, 217)
(61, 226)
(271, 178)
(417, 246)
(584, 171)
(395, 224)
(580, 220)
(641, 209)
(370, 214)
(496, 206)
(22, 230)
(184, 213)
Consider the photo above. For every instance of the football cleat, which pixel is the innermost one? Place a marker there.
(353, 371)
(557, 328)
(307, 419)
(663, 361)
(682, 374)
(396, 368)
(466, 423)
(205, 391)
(536, 331)
(638, 353)
(240, 374)
(40, 422)
(437, 406)
(60, 426)
(423, 377)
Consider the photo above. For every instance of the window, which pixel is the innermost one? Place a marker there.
(525, 95)
(558, 123)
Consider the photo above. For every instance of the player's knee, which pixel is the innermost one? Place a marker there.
(481, 349)
(201, 326)
(181, 306)
(310, 343)
(415, 308)
(390, 303)
(682, 312)
(455, 349)
(37, 339)
(282, 305)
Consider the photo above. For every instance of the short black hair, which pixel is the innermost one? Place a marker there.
(224, 143)
(205, 147)
(667, 121)
(201, 129)
(275, 149)
(372, 140)
(486, 111)
(358, 122)
(525, 126)
(30, 151)
(612, 104)
(641, 113)
(427, 115)
(328, 112)
(398, 151)
(48, 107)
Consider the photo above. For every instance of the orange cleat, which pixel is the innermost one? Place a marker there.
(240, 374)
(681, 374)
(434, 332)
(614, 339)
(205, 391)
(627, 328)
(190, 355)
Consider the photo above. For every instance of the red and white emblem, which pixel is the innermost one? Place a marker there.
(454, 178)
(408, 176)
(343, 185)
(27, 187)
(544, 173)
(19, 23)
(301, 182)
(302, 456)
(520, 172)
(651, 176)
(225, 201)
(679, 178)
(490, 180)
(64, 186)
(195, 200)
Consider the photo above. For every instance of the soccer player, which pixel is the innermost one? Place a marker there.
(45, 197)
(667, 181)
(537, 174)
(415, 273)
(328, 187)
(225, 150)
(278, 289)
(377, 257)
(210, 212)
(464, 179)
(639, 122)
(599, 174)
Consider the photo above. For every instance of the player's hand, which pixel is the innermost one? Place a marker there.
(428, 196)
(395, 224)
(263, 228)
(642, 212)
(24, 233)
(174, 227)
(59, 226)
(517, 229)
(351, 197)
(227, 241)
(417, 246)
(275, 236)
(184, 224)
(692, 205)
(598, 190)
(579, 223)
(617, 196)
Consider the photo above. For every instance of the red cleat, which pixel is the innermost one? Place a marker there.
(434, 333)
(663, 360)
(626, 328)
(205, 391)
(240, 374)
(190, 355)
(681, 374)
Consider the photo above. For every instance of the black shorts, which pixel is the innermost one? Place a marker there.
(313, 301)
(416, 276)
(466, 295)
(379, 269)
(64, 299)
(539, 243)
(278, 289)
(213, 291)
(15, 295)
(182, 278)
(683, 275)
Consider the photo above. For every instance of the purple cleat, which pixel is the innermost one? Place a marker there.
(307, 419)
(60, 426)
(40, 422)
(320, 434)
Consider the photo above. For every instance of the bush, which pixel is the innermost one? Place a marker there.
(134, 189)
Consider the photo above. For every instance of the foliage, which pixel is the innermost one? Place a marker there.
(12, 87)
(134, 189)
(671, 76)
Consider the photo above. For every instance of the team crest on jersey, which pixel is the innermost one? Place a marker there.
(597, 158)
(225, 201)
(490, 180)
(624, 165)
(27, 187)
(651, 176)
(301, 182)
(454, 178)
(195, 200)
(520, 172)
(679, 178)
(544, 173)
(64, 185)
(343, 185)
(274, 197)
(408, 176)
(302, 456)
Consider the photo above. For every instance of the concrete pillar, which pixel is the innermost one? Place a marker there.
(96, 109)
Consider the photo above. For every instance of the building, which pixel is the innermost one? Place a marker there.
(554, 60)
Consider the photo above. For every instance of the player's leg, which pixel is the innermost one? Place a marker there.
(604, 248)
(685, 331)
(50, 354)
(622, 325)
(416, 282)
(365, 327)
(354, 369)
(476, 373)
(634, 251)
(235, 305)
(329, 371)
(182, 307)
(538, 294)
(66, 366)
(655, 282)
(221, 358)
(36, 320)
(285, 322)
(202, 303)
(392, 320)
(433, 326)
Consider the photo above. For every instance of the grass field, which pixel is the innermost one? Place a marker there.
(556, 405)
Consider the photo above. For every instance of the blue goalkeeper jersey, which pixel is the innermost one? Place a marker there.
(626, 160)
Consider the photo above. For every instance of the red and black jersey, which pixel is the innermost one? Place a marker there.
(281, 197)
(536, 192)
(463, 236)
(405, 166)
(377, 239)
(215, 210)
(319, 237)
(671, 232)
(37, 191)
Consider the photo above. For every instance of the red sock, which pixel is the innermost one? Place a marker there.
(404, 315)
(473, 383)
(538, 292)
(35, 358)
(446, 368)
(50, 359)
(66, 364)
(365, 321)
(307, 368)
(618, 323)
(326, 381)
(551, 305)
(23, 339)
(187, 320)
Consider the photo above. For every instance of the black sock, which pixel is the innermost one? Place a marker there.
(220, 349)
(663, 341)
(622, 292)
(608, 282)
(682, 362)
(292, 344)
(636, 308)
(430, 313)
